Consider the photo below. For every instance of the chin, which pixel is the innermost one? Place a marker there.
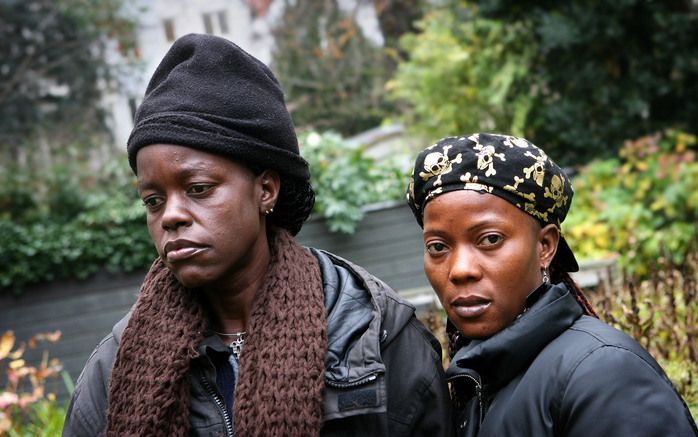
(192, 278)
(474, 332)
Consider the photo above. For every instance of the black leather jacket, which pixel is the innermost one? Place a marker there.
(383, 368)
(555, 372)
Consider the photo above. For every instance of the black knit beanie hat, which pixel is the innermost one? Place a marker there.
(209, 94)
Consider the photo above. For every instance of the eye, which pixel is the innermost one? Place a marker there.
(199, 188)
(152, 202)
(491, 239)
(436, 248)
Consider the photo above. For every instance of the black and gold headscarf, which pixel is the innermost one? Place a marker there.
(506, 166)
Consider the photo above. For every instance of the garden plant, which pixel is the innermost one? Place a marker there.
(27, 406)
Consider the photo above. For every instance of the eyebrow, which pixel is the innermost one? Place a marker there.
(184, 172)
(486, 221)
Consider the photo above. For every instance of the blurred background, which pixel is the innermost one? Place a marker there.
(608, 89)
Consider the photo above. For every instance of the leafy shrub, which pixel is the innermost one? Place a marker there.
(345, 179)
(26, 409)
(573, 77)
(67, 222)
(464, 74)
(642, 205)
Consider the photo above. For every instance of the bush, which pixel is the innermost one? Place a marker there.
(26, 409)
(573, 77)
(464, 74)
(59, 226)
(345, 179)
(642, 205)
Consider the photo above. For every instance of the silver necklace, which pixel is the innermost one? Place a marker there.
(237, 343)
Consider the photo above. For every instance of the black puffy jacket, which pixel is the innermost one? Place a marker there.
(383, 368)
(555, 372)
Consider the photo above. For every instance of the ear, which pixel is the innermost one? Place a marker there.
(270, 183)
(548, 238)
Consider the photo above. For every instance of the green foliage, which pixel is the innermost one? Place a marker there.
(464, 74)
(59, 225)
(345, 179)
(54, 69)
(607, 69)
(642, 205)
(26, 407)
(332, 75)
(582, 74)
(44, 418)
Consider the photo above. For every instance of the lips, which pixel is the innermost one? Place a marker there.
(179, 250)
(470, 306)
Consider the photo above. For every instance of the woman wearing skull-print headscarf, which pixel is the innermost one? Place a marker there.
(529, 355)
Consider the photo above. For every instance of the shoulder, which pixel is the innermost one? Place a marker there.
(590, 345)
(334, 269)
(609, 383)
(86, 413)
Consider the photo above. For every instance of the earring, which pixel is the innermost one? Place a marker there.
(546, 276)
(269, 211)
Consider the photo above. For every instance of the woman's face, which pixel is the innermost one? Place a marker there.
(483, 256)
(205, 214)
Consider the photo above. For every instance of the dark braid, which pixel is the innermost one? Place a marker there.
(295, 202)
(558, 275)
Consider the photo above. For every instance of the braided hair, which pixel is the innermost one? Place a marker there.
(295, 202)
(558, 275)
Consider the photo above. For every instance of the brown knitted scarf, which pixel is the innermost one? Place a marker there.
(279, 390)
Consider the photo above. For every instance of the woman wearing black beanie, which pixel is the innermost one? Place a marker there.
(238, 329)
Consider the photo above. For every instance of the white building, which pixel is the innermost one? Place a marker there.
(248, 23)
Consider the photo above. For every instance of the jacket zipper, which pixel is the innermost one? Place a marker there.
(478, 392)
(362, 381)
(221, 406)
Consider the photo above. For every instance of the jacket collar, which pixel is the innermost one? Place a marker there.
(501, 357)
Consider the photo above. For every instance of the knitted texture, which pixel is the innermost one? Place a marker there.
(281, 379)
(149, 388)
(282, 368)
(209, 94)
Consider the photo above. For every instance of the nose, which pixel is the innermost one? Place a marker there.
(175, 214)
(464, 266)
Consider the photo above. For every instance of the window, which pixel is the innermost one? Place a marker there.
(216, 22)
(168, 24)
(223, 21)
(208, 23)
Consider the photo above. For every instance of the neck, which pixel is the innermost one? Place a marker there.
(231, 306)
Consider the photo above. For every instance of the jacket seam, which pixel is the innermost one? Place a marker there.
(594, 350)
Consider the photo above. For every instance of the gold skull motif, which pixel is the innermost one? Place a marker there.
(437, 164)
(537, 169)
(555, 191)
